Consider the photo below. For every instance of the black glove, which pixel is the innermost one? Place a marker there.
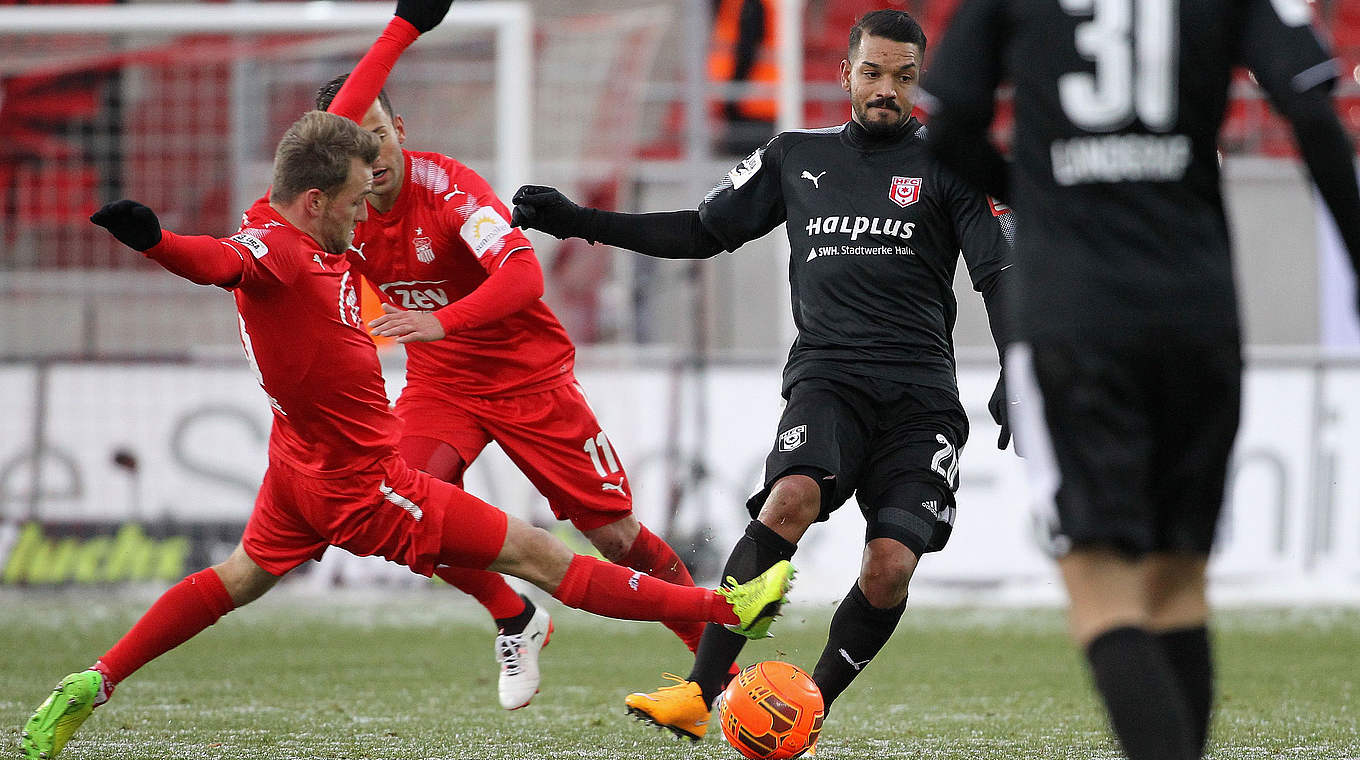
(998, 405)
(544, 208)
(135, 225)
(424, 15)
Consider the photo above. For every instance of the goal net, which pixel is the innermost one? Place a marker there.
(180, 106)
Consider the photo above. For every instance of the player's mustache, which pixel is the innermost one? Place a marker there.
(888, 103)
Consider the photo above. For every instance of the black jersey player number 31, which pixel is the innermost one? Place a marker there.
(1131, 44)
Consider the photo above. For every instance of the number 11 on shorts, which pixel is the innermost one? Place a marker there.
(597, 446)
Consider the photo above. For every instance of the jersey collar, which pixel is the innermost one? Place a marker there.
(858, 137)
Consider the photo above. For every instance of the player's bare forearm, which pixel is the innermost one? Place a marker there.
(201, 259)
(407, 326)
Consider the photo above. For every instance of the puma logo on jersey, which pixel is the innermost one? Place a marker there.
(360, 250)
(856, 665)
(317, 258)
(607, 486)
(816, 181)
(454, 192)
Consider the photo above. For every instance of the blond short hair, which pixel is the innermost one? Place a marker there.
(315, 153)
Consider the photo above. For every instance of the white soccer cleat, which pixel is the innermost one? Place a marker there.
(518, 658)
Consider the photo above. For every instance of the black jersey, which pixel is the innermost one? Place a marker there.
(875, 228)
(1115, 178)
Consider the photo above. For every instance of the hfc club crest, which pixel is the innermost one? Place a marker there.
(793, 438)
(905, 190)
(424, 249)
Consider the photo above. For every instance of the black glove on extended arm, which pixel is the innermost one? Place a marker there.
(424, 15)
(547, 209)
(135, 225)
(662, 234)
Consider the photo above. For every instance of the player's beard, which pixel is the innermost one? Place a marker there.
(336, 238)
(877, 128)
(335, 232)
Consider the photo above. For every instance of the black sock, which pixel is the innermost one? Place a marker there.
(858, 631)
(513, 625)
(1191, 660)
(1141, 695)
(754, 553)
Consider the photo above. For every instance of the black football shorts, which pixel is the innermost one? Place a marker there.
(894, 446)
(1127, 445)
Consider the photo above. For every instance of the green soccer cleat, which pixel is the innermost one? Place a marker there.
(756, 602)
(46, 733)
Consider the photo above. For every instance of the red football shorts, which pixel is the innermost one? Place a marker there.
(552, 436)
(389, 510)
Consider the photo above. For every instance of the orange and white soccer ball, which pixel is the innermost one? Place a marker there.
(771, 711)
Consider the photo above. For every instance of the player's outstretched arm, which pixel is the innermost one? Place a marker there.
(200, 259)
(412, 19)
(665, 235)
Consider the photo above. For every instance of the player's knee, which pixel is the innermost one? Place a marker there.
(886, 572)
(1176, 591)
(532, 554)
(795, 500)
(615, 539)
(244, 580)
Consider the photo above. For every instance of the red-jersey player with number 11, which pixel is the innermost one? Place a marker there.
(486, 361)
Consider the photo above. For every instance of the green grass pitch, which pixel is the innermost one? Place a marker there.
(412, 676)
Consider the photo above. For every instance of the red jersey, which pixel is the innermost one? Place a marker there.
(300, 326)
(446, 233)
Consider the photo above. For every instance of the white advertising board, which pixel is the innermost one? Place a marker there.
(198, 436)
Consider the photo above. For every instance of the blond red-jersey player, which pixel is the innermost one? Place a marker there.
(335, 477)
(486, 361)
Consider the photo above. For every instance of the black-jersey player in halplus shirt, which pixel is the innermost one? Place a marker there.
(1128, 328)
(876, 226)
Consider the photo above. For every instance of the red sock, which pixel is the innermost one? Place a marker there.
(182, 612)
(655, 557)
(618, 592)
(486, 587)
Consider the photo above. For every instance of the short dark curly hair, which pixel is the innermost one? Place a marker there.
(895, 25)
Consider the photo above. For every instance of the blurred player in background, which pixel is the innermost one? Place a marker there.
(335, 477)
(1129, 348)
(876, 227)
(486, 361)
